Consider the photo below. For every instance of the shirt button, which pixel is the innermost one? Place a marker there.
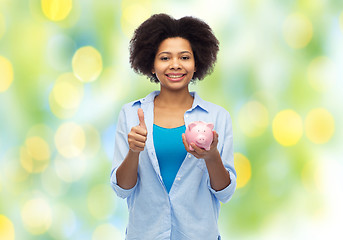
(189, 155)
(186, 116)
(178, 178)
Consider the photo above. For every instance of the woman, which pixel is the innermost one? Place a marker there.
(172, 192)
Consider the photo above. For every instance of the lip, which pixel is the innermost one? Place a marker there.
(174, 77)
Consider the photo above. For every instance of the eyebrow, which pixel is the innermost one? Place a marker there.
(178, 53)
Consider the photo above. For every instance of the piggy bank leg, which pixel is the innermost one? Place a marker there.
(208, 148)
(190, 148)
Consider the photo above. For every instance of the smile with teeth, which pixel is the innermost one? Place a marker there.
(175, 77)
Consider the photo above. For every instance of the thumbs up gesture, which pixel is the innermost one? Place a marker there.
(138, 134)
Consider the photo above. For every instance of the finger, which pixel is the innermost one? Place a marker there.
(136, 144)
(185, 142)
(141, 118)
(215, 137)
(139, 144)
(133, 136)
(138, 130)
(139, 138)
(197, 149)
(141, 131)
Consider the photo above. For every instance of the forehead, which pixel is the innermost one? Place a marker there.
(176, 44)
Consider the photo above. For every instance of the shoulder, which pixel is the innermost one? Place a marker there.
(222, 116)
(134, 105)
(212, 108)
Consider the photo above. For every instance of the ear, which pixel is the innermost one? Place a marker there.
(153, 70)
(210, 125)
(191, 125)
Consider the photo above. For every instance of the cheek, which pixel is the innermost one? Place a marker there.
(190, 68)
(160, 68)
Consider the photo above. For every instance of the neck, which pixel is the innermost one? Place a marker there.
(175, 99)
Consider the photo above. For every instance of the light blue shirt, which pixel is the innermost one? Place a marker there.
(190, 210)
(170, 152)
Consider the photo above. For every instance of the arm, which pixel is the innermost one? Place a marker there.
(219, 176)
(127, 171)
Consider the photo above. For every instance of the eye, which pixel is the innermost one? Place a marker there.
(185, 57)
(164, 58)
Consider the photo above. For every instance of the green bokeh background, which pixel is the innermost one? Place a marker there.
(295, 192)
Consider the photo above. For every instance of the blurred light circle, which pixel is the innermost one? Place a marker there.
(2, 25)
(253, 119)
(106, 232)
(70, 169)
(31, 164)
(36, 215)
(64, 222)
(297, 30)
(56, 10)
(70, 140)
(243, 169)
(58, 110)
(87, 64)
(6, 76)
(133, 14)
(319, 125)
(66, 96)
(287, 127)
(322, 73)
(101, 202)
(93, 141)
(38, 148)
(68, 91)
(6, 229)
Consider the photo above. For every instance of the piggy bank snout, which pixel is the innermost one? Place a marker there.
(201, 139)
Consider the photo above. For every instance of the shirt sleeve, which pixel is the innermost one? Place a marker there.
(121, 148)
(226, 153)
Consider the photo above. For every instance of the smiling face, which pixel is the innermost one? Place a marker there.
(174, 63)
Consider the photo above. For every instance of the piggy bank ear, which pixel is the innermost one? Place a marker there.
(210, 125)
(191, 125)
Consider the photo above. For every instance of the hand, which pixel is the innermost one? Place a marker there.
(138, 134)
(200, 152)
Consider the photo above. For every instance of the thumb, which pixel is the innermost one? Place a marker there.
(141, 118)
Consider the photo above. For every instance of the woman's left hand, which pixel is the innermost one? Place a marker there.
(200, 152)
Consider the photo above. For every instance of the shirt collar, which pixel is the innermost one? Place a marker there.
(198, 101)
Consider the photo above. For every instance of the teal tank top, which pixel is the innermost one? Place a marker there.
(170, 152)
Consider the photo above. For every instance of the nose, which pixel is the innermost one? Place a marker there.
(201, 139)
(175, 64)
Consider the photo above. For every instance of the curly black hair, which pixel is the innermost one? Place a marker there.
(149, 35)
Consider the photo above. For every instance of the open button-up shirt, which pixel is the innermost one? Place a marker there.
(190, 210)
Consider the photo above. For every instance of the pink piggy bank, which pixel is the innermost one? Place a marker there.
(199, 133)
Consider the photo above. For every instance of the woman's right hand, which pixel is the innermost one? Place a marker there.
(138, 134)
